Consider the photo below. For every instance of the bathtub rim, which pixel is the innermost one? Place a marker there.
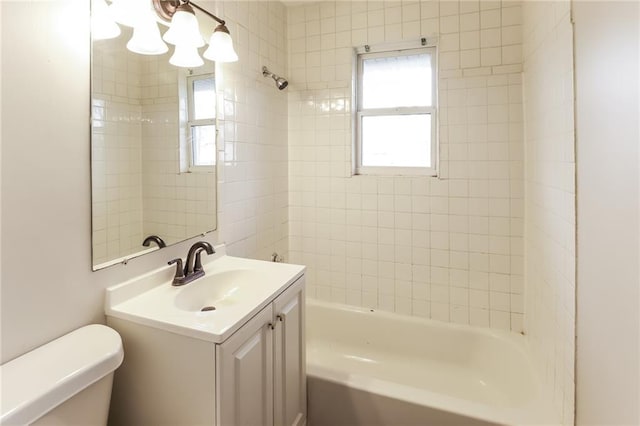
(519, 339)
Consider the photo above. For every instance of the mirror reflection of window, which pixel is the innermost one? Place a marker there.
(201, 94)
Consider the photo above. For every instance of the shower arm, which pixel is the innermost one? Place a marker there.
(266, 72)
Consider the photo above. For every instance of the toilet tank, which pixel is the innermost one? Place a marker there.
(70, 376)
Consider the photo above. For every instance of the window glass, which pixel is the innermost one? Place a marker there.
(204, 147)
(397, 81)
(204, 99)
(202, 121)
(397, 140)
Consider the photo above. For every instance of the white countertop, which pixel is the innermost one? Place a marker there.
(249, 285)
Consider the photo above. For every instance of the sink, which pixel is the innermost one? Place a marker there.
(216, 291)
(209, 308)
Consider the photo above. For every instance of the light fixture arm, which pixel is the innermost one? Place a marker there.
(206, 12)
(166, 8)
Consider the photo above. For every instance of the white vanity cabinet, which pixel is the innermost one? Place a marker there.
(245, 383)
(262, 378)
(290, 374)
(256, 376)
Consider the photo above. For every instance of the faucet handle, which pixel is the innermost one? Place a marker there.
(179, 268)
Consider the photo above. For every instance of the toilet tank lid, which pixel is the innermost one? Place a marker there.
(38, 381)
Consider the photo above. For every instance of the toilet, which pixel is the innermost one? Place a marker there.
(64, 382)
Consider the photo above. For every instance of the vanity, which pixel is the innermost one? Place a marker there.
(226, 349)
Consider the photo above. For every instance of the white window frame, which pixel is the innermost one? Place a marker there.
(191, 123)
(404, 49)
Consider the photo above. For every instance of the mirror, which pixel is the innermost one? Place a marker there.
(153, 150)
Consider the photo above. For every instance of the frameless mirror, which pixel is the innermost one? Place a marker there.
(153, 151)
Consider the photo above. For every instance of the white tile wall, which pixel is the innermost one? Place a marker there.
(116, 172)
(448, 248)
(550, 202)
(252, 171)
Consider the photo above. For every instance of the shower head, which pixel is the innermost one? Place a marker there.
(281, 83)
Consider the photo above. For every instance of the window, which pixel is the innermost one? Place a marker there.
(396, 112)
(201, 121)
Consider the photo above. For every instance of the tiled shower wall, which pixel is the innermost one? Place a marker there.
(448, 248)
(252, 171)
(550, 203)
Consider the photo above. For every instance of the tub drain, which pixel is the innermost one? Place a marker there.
(208, 308)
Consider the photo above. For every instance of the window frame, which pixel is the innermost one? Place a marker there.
(191, 122)
(368, 52)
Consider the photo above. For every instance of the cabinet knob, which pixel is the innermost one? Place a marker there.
(280, 318)
(271, 326)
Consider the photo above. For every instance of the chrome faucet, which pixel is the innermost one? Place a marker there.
(193, 264)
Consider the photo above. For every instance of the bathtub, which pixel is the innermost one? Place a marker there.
(370, 368)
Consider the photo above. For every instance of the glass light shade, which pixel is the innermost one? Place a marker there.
(129, 12)
(186, 57)
(184, 29)
(146, 39)
(221, 47)
(102, 24)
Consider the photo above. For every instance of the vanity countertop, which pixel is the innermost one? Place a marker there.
(232, 291)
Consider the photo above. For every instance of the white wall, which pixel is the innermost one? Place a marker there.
(448, 248)
(550, 198)
(608, 294)
(48, 288)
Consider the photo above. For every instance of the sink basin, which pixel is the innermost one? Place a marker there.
(215, 291)
(209, 308)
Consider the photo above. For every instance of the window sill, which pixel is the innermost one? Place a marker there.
(396, 171)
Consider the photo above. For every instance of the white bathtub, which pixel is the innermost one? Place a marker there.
(375, 368)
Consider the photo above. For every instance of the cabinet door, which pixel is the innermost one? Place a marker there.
(245, 372)
(290, 381)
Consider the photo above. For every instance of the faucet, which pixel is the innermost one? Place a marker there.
(159, 241)
(193, 264)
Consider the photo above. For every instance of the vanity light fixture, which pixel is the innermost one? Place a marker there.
(184, 32)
